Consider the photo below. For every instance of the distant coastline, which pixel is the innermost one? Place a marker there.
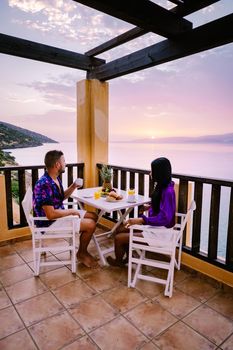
(217, 139)
(16, 137)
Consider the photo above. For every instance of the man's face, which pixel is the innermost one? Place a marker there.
(61, 165)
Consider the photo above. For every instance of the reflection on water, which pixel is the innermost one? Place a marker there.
(208, 160)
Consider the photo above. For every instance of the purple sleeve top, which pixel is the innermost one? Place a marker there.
(166, 215)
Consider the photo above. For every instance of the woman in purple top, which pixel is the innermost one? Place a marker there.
(161, 212)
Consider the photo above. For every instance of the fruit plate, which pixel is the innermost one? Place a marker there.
(112, 199)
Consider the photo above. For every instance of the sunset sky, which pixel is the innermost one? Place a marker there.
(192, 96)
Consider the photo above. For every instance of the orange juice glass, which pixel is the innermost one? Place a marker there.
(97, 195)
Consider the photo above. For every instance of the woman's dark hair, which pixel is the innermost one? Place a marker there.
(51, 158)
(161, 173)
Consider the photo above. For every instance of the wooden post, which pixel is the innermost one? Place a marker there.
(92, 127)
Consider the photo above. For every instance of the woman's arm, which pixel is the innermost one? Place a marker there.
(166, 213)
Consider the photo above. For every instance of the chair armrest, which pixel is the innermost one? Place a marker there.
(137, 227)
(39, 218)
(43, 218)
(148, 228)
(70, 203)
(180, 214)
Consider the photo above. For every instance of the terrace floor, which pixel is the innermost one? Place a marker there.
(94, 309)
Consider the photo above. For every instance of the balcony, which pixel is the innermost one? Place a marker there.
(58, 310)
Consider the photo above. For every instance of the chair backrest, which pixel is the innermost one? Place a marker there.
(27, 205)
(192, 207)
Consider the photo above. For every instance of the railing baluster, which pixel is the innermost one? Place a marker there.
(22, 185)
(115, 178)
(229, 249)
(132, 185)
(9, 198)
(70, 177)
(214, 221)
(123, 180)
(196, 232)
(183, 201)
(183, 196)
(35, 176)
(80, 171)
(141, 185)
(131, 180)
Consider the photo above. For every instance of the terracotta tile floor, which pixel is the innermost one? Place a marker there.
(94, 309)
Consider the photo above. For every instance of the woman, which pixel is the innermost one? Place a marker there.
(161, 211)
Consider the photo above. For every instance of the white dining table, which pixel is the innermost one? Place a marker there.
(122, 207)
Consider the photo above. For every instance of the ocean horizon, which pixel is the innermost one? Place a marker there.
(204, 160)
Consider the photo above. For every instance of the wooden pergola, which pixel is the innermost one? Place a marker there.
(178, 39)
(181, 39)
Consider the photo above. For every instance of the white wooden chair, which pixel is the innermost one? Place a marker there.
(160, 240)
(53, 234)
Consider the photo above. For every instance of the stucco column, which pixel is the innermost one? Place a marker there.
(92, 126)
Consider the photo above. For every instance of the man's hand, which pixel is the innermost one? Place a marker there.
(74, 212)
(135, 221)
(78, 182)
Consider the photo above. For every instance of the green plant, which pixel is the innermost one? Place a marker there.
(106, 173)
(15, 190)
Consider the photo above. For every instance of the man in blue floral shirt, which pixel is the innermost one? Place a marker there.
(48, 196)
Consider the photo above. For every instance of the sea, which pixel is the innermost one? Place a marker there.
(207, 160)
(204, 160)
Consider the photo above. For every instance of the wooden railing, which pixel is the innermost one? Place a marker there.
(212, 224)
(23, 176)
(211, 232)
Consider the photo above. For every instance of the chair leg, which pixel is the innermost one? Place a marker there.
(179, 255)
(130, 263)
(170, 277)
(73, 253)
(138, 269)
(101, 255)
(36, 256)
(36, 263)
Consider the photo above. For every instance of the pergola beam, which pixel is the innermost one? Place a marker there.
(191, 6)
(183, 10)
(144, 14)
(208, 36)
(118, 40)
(28, 49)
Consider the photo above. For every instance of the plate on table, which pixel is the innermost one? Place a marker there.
(87, 195)
(113, 200)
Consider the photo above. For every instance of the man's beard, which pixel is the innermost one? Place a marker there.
(61, 171)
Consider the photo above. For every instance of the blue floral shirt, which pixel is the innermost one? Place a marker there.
(46, 192)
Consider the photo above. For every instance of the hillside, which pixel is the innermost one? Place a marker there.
(12, 136)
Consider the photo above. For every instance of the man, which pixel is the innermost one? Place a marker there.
(48, 196)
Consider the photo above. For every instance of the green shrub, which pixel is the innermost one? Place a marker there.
(15, 190)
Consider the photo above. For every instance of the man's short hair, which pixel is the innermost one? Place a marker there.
(52, 157)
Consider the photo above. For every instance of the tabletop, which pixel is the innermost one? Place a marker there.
(86, 196)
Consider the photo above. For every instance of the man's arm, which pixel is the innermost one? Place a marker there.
(53, 214)
(70, 190)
